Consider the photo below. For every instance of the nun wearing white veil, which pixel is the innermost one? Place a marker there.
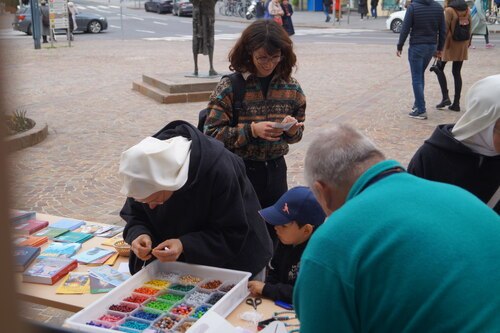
(467, 154)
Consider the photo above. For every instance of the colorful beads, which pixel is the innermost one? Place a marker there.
(93, 323)
(182, 310)
(189, 279)
(111, 318)
(122, 308)
(172, 277)
(146, 291)
(136, 299)
(135, 324)
(200, 311)
(213, 284)
(159, 305)
(159, 284)
(171, 297)
(145, 315)
(166, 322)
(227, 287)
(180, 287)
(196, 297)
(215, 298)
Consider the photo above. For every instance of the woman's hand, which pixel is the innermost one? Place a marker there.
(293, 130)
(141, 246)
(255, 287)
(169, 250)
(266, 131)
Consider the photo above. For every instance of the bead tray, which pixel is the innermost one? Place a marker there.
(157, 271)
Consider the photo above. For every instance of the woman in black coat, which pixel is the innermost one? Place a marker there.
(287, 18)
(362, 8)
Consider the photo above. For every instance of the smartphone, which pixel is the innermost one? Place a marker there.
(284, 305)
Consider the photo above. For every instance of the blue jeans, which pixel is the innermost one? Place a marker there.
(419, 57)
(374, 12)
(325, 10)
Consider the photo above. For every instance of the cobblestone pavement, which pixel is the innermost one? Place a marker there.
(84, 94)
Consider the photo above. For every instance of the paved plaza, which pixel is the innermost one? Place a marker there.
(84, 94)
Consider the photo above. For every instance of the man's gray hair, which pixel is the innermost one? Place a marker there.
(338, 156)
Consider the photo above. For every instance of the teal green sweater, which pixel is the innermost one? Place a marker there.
(404, 255)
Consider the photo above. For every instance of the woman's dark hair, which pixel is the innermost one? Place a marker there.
(265, 34)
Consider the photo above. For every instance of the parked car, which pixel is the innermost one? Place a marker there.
(159, 6)
(86, 22)
(395, 21)
(182, 8)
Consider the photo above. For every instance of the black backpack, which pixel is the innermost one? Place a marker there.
(238, 84)
(462, 27)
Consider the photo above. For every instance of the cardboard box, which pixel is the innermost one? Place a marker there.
(223, 307)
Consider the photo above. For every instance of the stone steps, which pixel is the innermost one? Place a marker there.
(176, 88)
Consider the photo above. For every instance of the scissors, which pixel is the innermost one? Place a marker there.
(255, 302)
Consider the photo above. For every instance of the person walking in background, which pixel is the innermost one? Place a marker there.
(397, 253)
(363, 8)
(44, 11)
(72, 12)
(272, 101)
(424, 22)
(456, 51)
(260, 9)
(479, 26)
(374, 5)
(327, 4)
(295, 216)
(276, 11)
(287, 17)
(467, 154)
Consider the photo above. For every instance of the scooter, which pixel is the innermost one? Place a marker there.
(251, 10)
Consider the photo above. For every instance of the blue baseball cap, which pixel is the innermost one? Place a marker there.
(298, 204)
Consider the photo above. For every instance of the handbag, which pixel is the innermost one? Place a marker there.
(278, 19)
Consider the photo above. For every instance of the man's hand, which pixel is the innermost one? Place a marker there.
(169, 250)
(398, 53)
(438, 54)
(141, 246)
(255, 287)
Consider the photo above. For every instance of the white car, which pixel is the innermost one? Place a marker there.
(395, 20)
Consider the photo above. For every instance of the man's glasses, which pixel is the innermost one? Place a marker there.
(265, 60)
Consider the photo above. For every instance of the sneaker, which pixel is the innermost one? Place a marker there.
(454, 107)
(490, 46)
(328, 19)
(416, 115)
(443, 104)
(472, 47)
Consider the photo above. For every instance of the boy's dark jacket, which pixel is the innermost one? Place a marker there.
(215, 214)
(283, 272)
(444, 159)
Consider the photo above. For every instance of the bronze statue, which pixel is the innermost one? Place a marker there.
(203, 31)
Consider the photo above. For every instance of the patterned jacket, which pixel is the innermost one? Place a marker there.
(283, 98)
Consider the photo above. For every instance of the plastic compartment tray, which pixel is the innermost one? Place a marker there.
(223, 307)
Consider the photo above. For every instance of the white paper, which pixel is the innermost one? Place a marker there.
(284, 126)
(123, 268)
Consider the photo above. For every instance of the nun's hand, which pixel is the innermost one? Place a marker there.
(169, 250)
(141, 246)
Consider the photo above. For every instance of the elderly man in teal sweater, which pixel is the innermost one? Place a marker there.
(397, 253)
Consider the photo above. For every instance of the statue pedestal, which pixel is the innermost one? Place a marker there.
(177, 87)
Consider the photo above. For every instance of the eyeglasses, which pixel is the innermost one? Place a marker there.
(265, 60)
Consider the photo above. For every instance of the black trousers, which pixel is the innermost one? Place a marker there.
(457, 76)
(269, 181)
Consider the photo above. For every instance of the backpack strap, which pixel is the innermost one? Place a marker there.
(238, 85)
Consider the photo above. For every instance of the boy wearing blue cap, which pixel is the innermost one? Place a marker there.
(294, 216)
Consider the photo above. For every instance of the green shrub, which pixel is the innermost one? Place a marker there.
(295, 3)
(18, 122)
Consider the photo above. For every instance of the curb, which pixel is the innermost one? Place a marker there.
(28, 138)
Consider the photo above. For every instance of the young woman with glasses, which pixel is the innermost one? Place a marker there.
(264, 56)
